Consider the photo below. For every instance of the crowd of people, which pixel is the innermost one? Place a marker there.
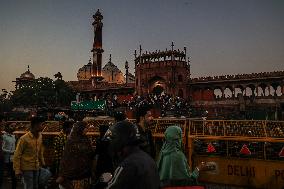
(168, 105)
(123, 156)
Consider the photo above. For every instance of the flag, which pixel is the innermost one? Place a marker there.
(245, 150)
(210, 148)
(281, 153)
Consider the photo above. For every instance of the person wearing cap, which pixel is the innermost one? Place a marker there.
(136, 169)
(28, 156)
(8, 148)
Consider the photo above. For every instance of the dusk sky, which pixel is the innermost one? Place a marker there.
(222, 36)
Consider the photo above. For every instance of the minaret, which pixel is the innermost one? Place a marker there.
(127, 73)
(97, 47)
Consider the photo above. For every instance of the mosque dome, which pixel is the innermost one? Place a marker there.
(85, 72)
(27, 75)
(112, 73)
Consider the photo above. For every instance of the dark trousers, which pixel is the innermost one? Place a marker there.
(11, 172)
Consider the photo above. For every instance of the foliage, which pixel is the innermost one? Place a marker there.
(5, 104)
(43, 92)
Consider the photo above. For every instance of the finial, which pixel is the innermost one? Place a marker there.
(140, 49)
(28, 67)
(135, 53)
(172, 45)
(90, 60)
(109, 57)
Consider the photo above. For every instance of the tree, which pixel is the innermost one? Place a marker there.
(58, 76)
(5, 104)
(44, 92)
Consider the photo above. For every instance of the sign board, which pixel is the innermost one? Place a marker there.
(88, 105)
(250, 173)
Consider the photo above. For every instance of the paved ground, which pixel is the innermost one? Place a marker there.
(7, 184)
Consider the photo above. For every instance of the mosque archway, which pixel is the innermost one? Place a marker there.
(156, 85)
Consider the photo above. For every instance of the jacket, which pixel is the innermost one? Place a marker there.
(28, 154)
(147, 142)
(137, 171)
(8, 147)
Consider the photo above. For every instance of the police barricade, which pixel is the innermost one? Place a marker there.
(248, 154)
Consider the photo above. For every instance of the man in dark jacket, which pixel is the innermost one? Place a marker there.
(144, 120)
(136, 170)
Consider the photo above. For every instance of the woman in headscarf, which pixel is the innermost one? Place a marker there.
(76, 163)
(172, 163)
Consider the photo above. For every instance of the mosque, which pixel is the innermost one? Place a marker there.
(168, 71)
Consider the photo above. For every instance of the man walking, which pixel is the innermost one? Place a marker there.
(29, 155)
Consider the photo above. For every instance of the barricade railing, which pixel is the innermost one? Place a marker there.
(243, 149)
(249, 153)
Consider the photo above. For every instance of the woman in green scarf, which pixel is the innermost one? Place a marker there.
(172, 163)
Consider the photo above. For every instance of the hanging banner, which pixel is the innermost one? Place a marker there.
(88, 105)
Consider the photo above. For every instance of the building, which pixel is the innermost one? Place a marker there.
(110, 73)
(162, 71)
(96, 82)
(25, 79)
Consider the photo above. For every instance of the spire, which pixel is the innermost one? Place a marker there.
(140, 51)
(97, 46)
(172, 56)
(172, 45)
(126, 69)
(135, 53)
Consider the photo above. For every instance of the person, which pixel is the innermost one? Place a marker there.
(8, 148)
(119, 116)
(104, 161)
(136, 170)
(60, 142)
(28, 156)
(172, 163)
(144, 120)
(76, 162)
(2, 122)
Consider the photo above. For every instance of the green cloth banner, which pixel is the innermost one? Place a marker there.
(88, 105)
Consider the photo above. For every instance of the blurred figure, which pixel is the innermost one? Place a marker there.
(144, 121)
(60, 142)
(104, 160)
(8, 148)
(172, 163)
(136, 170)
(76, 162)
(119, 116)
(28, 155)
(2, 122)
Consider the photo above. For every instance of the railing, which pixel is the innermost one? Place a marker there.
(243, 149)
